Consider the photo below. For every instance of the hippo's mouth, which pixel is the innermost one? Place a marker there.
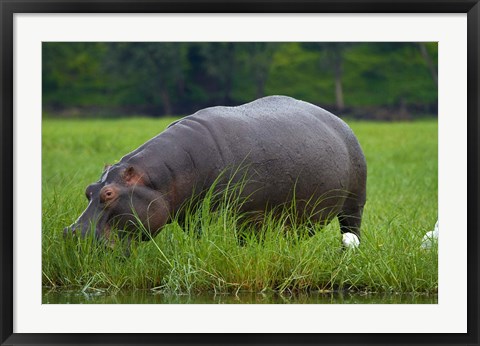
(111, 236)
(108, 236)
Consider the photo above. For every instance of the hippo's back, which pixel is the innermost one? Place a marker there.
(286, 145)
(281, 126)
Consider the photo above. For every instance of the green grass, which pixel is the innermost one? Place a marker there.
(401, 207)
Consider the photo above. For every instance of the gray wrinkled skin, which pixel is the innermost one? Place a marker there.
(285, 145)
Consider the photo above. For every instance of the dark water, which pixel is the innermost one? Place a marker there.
(149, 297)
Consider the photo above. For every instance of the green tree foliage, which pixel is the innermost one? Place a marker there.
(333, 60)
(73, 74)
(397, 78)
(151, 75)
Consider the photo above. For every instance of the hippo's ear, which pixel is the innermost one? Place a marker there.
(132, 176)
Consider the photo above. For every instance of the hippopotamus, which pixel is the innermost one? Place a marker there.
(287, 151)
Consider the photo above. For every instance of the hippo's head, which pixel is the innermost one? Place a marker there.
(122, 200)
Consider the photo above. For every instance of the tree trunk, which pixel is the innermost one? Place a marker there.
(338, 82)
(428, 60)
(229, 73)
(260, 85)
(167, 105)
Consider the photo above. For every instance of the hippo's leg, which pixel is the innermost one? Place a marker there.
(350, 219)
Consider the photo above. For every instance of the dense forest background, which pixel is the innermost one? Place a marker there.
(382, 81)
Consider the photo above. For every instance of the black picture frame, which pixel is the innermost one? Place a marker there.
(10, 7)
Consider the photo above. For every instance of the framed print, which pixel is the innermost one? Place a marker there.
(299, 158)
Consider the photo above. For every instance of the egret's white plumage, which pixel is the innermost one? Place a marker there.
(350, 240)
(430, 238)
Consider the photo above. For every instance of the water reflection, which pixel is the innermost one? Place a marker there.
(149, 297)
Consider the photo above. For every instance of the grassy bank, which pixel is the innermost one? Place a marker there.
(401, 208)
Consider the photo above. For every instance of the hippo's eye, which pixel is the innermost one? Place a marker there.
(107, 194)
